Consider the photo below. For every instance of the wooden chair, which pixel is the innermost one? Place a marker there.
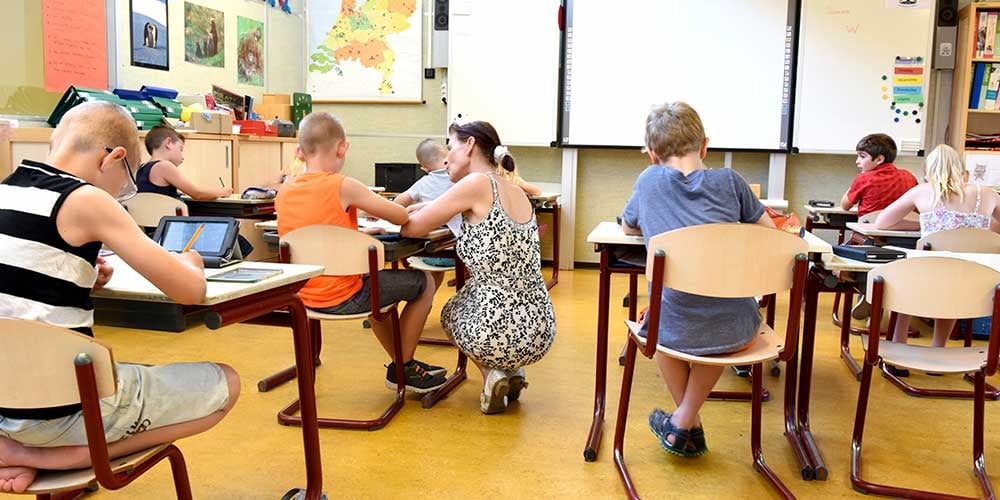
(64, 356)
(965, 240)
(344, 252)
(148, 208)
(962, 289)
(720, 260)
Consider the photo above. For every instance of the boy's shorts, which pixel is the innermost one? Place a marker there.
(393, 286)
(148, 397)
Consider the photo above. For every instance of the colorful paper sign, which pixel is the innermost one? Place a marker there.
(74, 44)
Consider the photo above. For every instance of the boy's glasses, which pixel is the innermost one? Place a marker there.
(129, 189)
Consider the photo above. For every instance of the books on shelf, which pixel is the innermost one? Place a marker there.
(984, 93)
(991, 29)
(982, 142)
(981, 34)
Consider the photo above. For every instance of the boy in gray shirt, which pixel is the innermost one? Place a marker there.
(677, 191)
(431, 155)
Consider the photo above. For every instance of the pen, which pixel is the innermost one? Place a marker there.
(194, 237)
(222, 183)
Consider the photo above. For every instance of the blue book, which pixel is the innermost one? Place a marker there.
(977, 85)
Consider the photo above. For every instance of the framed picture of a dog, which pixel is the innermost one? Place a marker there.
(149, 35)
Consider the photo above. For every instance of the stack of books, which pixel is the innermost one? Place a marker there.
(982, 142)
(985, 86)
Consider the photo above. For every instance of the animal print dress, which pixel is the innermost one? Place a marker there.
(503, 316)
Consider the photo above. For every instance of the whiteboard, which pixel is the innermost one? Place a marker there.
(503, 67)
(846, 71)
(729, 59)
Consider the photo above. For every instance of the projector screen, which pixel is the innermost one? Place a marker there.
(732, 60)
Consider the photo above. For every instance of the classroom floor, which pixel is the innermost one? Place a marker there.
(535, 449)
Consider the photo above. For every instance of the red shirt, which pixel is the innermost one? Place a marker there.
(876, 189)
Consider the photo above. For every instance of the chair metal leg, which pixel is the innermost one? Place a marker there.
(457, 377)
(288, 374)
(626, 395)
(630, 302)
(182, 485)
(755, 447)
(287, 415)
(845, 334)
(990, 392)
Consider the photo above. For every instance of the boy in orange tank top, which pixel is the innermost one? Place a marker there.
(322, 195)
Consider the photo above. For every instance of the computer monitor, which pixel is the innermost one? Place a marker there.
(397, 177)
(217, 242)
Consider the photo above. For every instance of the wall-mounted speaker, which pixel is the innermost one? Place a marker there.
(439, 36)
(946, 34)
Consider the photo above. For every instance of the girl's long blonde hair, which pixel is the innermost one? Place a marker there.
(945, 173)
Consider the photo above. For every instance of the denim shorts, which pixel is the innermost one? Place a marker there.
(393, 286)
(148, 397)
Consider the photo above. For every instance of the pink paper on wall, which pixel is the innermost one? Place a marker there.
(74, 43)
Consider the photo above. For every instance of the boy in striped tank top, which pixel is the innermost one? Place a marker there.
(54, 216)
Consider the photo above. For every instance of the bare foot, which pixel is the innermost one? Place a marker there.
(16, 479)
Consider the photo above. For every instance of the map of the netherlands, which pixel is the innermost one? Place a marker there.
(365, 49)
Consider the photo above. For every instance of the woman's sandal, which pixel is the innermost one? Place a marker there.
(688, 443)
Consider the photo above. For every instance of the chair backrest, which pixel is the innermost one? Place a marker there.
(341, 251)
(37, 364)
(966, 239)
(148, 208)
(936, 287)
(727, 260)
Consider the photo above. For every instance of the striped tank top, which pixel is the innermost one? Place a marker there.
(42, 277)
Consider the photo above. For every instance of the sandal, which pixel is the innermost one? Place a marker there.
(688, 443)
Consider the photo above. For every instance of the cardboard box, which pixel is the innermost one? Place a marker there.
(212, 122)
(271, 111)
(284, 99)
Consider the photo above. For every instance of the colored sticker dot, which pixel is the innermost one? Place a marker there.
(898, 58)
(921, 105)
(914, 112)
(918, 120)
(892, 107)
(885, 77)
(898, 110)
(896, 119)
(893, 103)
(884, 88)
(906, 113)
(920, 59)
(885, 97)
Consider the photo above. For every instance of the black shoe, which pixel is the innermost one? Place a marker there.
(417, 379)
(899, 372)
(433, 370)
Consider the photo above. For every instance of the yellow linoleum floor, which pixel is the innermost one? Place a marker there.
(535, 449)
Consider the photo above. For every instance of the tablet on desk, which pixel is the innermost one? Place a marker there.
(217, 242)
(244, 275)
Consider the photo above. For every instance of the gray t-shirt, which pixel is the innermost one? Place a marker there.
(430, 187)
(663, 199)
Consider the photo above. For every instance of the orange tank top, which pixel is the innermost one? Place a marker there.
(314, 198)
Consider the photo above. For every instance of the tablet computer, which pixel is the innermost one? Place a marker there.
(217, 242)
(244, 275)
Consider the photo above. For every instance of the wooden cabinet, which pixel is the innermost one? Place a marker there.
(288, 153)
(24, 143)
(259, 164)
(965, 120)
(208, 160)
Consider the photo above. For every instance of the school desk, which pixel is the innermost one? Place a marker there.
(237, 302)
(548, 203)
(230, 206)
(833, 218)
(394, 250)
(882, 237)
(607, 237)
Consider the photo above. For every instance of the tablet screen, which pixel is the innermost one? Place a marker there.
(210, 241)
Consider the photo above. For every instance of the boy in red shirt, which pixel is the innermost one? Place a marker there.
(878, 185)
(880, 182)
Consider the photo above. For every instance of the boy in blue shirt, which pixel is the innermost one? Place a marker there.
(677, 191)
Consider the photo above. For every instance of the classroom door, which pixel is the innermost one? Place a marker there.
(206, 161)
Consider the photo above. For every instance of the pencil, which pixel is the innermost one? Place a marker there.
(194, 237)
(222, 183)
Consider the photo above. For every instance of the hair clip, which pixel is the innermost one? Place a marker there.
(499, 152)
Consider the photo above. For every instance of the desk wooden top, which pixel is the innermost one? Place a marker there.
(830, 211)
(609, 233)
(231, 199)
(868, 229)
(779, 205)
(437, 234)
(127, 284)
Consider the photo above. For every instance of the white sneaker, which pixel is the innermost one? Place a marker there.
(517, 384)
(493, 398)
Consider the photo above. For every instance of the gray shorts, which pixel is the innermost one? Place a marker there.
(393, 286)
(148, 397)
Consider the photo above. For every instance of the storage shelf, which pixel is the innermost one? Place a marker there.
(985, 111)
